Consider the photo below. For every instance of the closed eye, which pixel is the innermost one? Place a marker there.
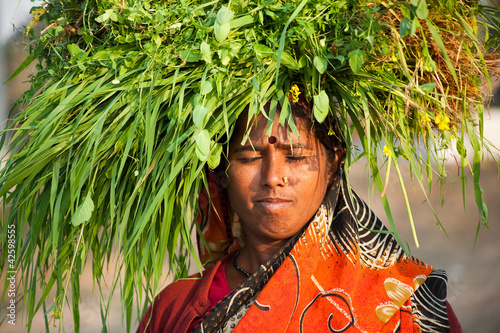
(295, 158)
(245, 160)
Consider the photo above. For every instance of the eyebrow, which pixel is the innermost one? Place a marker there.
(281, 146)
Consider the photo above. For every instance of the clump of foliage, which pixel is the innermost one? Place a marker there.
(132, 99)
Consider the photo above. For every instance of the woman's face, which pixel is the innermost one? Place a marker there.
(270, 206)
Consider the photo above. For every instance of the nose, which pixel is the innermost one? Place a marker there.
(273, 170)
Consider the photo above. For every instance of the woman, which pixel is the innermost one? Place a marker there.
(313, 258)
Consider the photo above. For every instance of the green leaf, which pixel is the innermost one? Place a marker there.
(414, 26)
(288, 61)
(263, 50)
(439, 41)
(102, 18)
(321, 64)
(199, 114)
(74, 50)
(356, 60)
(221, 31)
(429, 63)
(224, 15)
(461, 148)
(214, 158)
(302, 62)
(422, 11)
(202, 140)
(157, 40)
(405, 27)
(286, 58)
(191, 55)
(428, 87)
(222, 25)
(109, 13)
(225, 56)
(206, 87)
(83, 212)
(29, 59)
(321, 106)
(241, 21)
(205, 52)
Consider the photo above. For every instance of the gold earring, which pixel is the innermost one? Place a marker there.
(285, 180)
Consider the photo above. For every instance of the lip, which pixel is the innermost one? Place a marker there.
(274, 203)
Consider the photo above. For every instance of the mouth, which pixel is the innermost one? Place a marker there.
(273, 203)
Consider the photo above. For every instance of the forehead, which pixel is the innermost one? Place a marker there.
(258, 128)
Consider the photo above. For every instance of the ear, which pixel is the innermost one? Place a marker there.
(335, 164)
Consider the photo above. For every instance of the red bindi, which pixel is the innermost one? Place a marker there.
(272, 140)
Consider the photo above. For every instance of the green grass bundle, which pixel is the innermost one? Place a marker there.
(132, 99)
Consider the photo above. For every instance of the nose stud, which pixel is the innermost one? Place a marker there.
(285, 180)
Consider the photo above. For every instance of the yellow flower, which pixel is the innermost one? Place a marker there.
(387, 152)
(442, 122)
(426, 119)
(294, 93)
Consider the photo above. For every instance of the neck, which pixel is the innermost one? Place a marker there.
(250, 258)
(255, 253)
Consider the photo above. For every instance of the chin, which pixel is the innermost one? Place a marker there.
(282, 234)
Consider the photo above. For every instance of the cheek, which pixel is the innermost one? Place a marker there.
(316, 184)
(238, 176)
(238, 184)
(315, 188)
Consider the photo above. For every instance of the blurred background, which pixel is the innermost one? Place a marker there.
(471, 256)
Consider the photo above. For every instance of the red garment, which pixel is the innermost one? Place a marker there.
(455, 326)
(218, 289)
(180, 304)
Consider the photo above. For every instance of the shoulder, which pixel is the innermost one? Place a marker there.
(429, 302)
(179, 304)
(182, 288)
(433, 291)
